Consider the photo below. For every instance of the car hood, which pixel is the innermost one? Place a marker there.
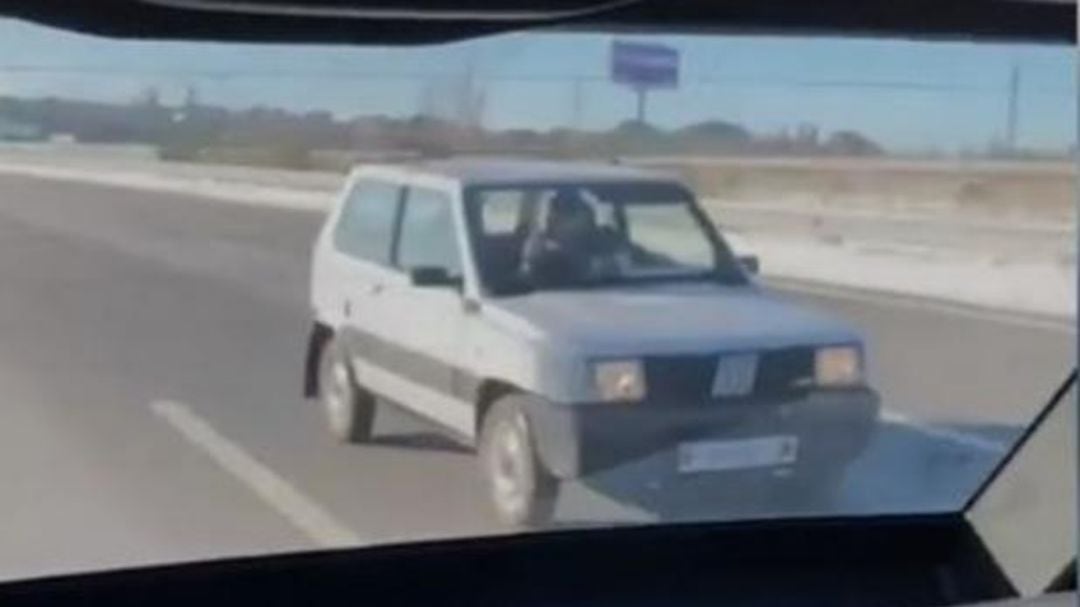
(672, 319)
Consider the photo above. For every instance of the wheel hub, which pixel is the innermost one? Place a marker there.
(509, 467)
(337, 394)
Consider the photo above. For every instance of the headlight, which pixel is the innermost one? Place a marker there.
(838, 366)
(619, 380)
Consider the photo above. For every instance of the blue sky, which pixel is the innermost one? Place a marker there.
(912, 96)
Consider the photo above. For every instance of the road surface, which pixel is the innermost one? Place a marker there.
(150, 359)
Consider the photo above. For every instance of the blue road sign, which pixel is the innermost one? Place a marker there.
(644, 65)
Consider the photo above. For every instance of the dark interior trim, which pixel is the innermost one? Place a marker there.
(1002, 20)
(881, 560)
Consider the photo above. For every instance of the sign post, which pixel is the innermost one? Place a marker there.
(643, 67)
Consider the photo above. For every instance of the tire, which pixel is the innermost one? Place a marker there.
(349, 409)
(522, 492)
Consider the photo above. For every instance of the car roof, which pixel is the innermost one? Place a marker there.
(503, 171)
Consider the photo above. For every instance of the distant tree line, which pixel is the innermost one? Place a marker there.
(193, 131)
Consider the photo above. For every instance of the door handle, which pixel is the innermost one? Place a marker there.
(346, 308)
(374, 289)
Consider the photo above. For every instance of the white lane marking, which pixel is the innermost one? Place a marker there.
(966, 439)
(311, 518)
(913, 302)
(455, 413)
(222, 189)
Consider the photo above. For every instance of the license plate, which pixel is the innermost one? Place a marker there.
(739, 454)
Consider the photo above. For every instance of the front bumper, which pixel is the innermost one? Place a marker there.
(575, 440)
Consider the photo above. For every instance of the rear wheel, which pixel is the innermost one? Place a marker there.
(522, 492)
(349, 409)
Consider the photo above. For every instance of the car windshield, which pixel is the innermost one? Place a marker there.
(573, 235)
(272, 297)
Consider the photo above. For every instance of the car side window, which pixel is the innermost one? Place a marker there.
(668, 235)
(365, 229)
(428, 238)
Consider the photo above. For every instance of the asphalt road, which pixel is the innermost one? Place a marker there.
(150, 355)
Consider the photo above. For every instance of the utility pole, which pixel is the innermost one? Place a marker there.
(577, 103)
(1013, 108)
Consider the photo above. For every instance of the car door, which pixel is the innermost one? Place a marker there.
(357, 265)
(430, 317)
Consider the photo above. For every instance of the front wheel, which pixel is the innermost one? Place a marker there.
(522, 492)
(349, 409)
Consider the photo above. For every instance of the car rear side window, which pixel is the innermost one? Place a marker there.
(365, 229)
(428, 238)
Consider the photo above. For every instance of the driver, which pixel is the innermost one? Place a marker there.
(567, 245)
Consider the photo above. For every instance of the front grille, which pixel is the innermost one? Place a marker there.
(680, 378)
(784, 372)
(688, 378)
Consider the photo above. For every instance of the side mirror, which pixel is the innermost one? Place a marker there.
(750, 263)
(433, 276)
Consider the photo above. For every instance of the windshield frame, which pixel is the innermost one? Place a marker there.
(726, 268)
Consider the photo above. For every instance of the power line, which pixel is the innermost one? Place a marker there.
(581, 79)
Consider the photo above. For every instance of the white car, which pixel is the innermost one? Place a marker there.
(567, 318)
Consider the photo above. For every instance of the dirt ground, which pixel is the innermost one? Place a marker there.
(1039, 191)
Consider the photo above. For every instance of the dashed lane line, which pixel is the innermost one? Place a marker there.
(302, 511)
